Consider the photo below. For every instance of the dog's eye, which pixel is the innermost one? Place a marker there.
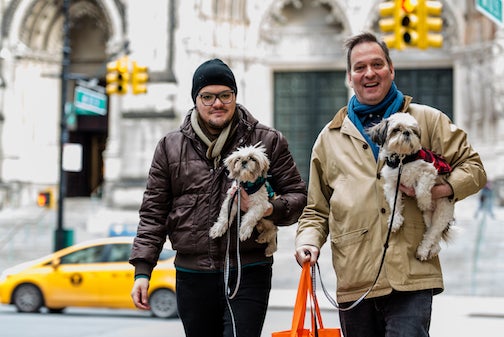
(252, 159)
(396, 130)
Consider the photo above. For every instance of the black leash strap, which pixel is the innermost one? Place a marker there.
(385, 247)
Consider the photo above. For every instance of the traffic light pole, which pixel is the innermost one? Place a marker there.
(60, 235)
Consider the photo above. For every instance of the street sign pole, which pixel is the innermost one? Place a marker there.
(60, 235)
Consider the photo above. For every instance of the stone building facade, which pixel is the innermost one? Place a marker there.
(287, 57)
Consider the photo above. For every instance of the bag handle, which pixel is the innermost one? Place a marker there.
(316, 316)
(305, 290)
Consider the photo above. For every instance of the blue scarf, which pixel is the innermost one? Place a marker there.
(357, 112)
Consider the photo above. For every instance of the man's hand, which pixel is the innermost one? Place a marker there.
(245, 201)
(139, 293)
(438, 191)
(307, 253)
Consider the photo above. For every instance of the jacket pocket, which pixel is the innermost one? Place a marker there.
(349, 238)
(352, 259)
(182, 223)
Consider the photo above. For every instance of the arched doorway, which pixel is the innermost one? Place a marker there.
(32, 42)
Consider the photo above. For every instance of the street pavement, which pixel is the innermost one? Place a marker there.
(473, 264)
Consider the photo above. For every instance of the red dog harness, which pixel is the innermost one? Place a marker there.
(427, 155)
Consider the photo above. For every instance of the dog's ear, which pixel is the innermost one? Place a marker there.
(378, 132)
(229, 163)
(264, 163)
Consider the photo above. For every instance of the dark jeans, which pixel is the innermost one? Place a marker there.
(203, 308)
(400, 314)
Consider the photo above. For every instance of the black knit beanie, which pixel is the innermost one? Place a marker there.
(212, 72)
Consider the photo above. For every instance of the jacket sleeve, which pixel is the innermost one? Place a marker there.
(151, 231)
(287, 184)
(468, 175)
(313, 226)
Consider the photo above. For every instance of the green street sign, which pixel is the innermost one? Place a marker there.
(492, 9)
(89, 102)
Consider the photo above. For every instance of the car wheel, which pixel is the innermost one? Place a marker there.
(163, 303)
(27, 298)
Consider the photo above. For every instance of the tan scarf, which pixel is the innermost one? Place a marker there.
(214, 147)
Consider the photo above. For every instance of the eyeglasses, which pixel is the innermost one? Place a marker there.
(225, 97)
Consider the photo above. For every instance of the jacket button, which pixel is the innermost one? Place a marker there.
(365, 146)
(383, 210)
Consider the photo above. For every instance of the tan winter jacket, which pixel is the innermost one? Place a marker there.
(346, 203)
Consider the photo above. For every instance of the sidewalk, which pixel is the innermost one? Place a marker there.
(452, 316)
(473, 265)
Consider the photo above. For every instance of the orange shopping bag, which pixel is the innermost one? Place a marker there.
(305, 290)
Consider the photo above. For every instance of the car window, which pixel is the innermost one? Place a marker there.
(119, 252)
(86, 255)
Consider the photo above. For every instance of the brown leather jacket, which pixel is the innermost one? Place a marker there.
(184, 194)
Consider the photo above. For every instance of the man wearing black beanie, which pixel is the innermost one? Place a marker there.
(186, 187)
(212, 72)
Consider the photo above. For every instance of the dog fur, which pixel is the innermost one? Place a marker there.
(248, 164)
(399, 135)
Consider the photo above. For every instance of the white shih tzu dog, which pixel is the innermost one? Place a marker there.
(399, 139)
(248, 166)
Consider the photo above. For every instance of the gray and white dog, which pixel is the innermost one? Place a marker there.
(399, 139)
(248, 165)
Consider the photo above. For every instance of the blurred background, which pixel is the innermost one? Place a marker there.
(87, 87)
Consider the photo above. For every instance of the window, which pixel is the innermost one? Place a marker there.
(86, 255)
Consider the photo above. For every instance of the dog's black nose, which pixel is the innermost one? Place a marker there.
(244, 163)
(406, 133)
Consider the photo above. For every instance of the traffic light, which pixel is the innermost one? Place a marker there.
(391, 13)
(117, 76)
(410, 22)
(139, 78)
(430, 24)
(44, 199)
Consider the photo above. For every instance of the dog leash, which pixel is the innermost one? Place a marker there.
(227, 289)
(227, 258)
(385, 247)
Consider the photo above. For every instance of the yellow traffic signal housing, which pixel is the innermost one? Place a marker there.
(415, 23)
(430, 24)
(410, 23)
(391, 13)
(139, 78)
(117, 76)
(45, 199)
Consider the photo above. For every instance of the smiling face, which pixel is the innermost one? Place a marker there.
(217, 116)
(370, 74)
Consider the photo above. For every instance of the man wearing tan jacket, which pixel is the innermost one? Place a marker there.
(346, 202)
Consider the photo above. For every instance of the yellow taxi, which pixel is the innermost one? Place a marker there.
(94, 273)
